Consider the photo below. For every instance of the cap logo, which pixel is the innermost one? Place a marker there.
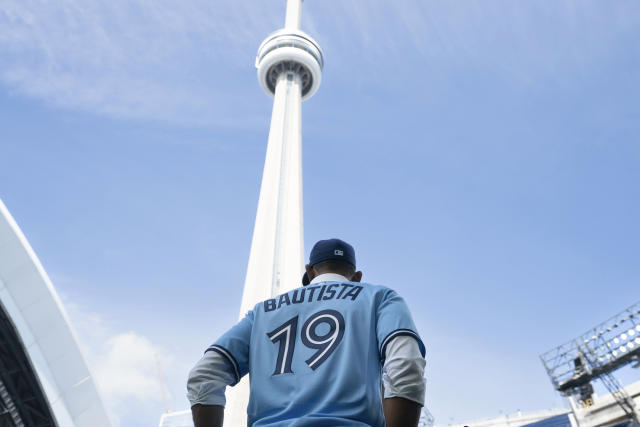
(338, 252)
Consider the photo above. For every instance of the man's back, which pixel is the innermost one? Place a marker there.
(318, 355)
(314, 353)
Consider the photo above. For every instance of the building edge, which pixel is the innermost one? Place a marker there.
(50, 343)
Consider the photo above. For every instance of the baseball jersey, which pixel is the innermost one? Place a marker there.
(314, 354)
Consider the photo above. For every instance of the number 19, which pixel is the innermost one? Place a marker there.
(325, 344)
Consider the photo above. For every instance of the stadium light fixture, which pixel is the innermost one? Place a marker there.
(595, 354)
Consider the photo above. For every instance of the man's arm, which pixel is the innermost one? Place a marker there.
(205, 389)
(222, 365)
(403, 382)
(207, 415)
(399, 412)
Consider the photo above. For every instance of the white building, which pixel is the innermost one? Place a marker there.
(553, 417)
(177, 419)
(605, 412)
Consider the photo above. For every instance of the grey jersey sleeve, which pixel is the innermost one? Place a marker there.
(208, 380)
(403, 370)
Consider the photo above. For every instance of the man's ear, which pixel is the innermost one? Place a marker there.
(357, 276)
(311, 273)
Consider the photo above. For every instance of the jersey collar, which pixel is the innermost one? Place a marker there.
(329, 277)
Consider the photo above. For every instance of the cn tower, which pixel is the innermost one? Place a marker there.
(289, 64)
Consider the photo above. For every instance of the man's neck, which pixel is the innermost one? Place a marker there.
(329, 277)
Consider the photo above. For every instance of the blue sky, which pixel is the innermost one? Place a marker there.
(482, 157)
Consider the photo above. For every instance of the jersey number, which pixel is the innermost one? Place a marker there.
(285, 336)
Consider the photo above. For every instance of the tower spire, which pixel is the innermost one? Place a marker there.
(292, 20)
(289, 64)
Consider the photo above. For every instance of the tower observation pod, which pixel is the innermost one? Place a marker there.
(289, 64)
(290, 54)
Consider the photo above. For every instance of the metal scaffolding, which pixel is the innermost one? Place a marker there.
(596, 354)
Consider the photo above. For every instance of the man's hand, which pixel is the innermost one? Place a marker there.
(207, 415)
(399, 412)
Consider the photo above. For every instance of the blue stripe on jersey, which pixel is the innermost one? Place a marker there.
(397, 333)
(223, 351)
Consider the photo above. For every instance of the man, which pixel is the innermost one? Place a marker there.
(318, 355)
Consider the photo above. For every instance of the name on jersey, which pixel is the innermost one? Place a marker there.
(309, 294)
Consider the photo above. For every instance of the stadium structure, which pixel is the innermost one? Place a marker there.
(596, 355)
(44, 379)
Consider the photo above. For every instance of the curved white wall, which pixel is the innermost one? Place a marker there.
(31, 302)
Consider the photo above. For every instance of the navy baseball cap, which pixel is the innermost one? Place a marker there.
(337, 249)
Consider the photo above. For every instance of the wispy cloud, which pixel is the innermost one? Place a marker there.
(133, 59)
(179, 61)
(126, 369)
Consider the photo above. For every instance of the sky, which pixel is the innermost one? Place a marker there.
(481, 156)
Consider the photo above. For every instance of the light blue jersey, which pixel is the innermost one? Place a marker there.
(315, 354)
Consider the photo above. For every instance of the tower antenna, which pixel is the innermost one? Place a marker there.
(294, 11)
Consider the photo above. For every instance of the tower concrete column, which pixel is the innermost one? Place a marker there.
(289, 64)
(277, 254)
